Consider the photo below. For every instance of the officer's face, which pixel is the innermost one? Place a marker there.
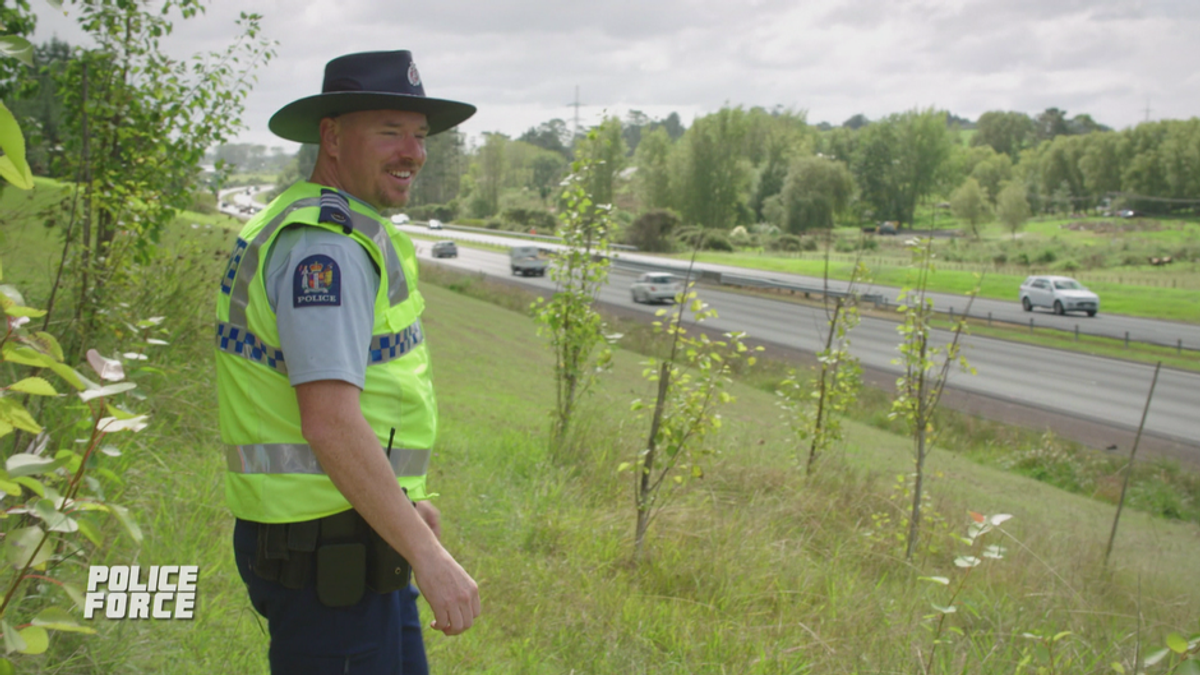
(379, 153)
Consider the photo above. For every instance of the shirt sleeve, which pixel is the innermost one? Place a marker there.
(322, 286)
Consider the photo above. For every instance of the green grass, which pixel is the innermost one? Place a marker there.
(1180, 304)
(753, 569)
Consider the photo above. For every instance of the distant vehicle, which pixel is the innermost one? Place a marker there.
(527, 261)
(656, 287)
(435, 224)
(1061, 294)
(400, 219)
(1129, 213)
(445, 249)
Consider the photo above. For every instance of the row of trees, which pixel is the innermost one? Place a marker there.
(753, 166)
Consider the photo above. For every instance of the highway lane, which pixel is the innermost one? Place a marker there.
(1107, 391)
(1166, 333)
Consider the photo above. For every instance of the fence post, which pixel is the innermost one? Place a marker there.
(951, 315)
(1031, 325)
(1077, 332)
(989, 318)
(1126, 339)
(1179, 347)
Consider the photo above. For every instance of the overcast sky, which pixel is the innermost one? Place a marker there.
(520, 61)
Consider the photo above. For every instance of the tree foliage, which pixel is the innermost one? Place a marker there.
(690, 384)
(711, 177)
(1006, 132)
(926, 369)
(603, 152)
(815, 192)
(1012, 208)
(970, 203)
(569, 320)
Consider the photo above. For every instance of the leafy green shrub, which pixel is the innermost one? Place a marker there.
(204, 202)
(470, 222)
(1052, 463)
(1067, 265)
(1046, 257)
(528, 218)
(652, 230)
(850, 245)
(787, 242)
(716, 241)
(493, 224)
(443, 212)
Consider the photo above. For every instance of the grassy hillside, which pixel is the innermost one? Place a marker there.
(753, 569)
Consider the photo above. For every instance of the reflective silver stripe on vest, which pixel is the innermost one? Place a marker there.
(364, 225)
(371, 228)
(241, 342)
(299, 458)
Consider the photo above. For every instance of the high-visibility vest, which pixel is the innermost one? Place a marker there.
(272, 474)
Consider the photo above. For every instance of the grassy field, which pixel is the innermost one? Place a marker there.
(1126, 283)
(753, 569)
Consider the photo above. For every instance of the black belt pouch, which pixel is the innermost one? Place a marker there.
(387, 570)
(341, 571)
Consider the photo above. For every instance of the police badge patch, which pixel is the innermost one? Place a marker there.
(317, 282)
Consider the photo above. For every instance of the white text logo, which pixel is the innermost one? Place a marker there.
(121, 591)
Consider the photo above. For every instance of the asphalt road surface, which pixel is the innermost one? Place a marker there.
(1093, 399)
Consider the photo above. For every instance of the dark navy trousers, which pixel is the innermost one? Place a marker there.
(381, 635)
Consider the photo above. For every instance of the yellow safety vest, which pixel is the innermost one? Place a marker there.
(272, 474)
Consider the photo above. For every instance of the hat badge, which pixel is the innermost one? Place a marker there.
(414, 78)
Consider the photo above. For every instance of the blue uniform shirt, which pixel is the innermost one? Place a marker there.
(322, 286)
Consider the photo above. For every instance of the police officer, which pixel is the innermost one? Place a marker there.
(326, 405)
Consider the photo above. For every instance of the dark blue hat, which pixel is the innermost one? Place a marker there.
(366, 81)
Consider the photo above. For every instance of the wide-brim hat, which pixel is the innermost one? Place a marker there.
(366, 81)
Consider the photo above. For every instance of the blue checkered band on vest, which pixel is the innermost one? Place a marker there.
(235, 259)
(384, 348)
(241, 342)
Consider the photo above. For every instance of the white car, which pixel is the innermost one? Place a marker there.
(435, 224)
(400, 219)
(1061, 294)
(656, 287)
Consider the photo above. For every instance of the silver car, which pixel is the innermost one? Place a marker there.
(656, 287)
(1061, 294)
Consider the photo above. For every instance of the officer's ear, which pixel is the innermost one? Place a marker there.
(330, 132)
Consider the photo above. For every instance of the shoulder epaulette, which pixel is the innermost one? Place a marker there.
(335, 209)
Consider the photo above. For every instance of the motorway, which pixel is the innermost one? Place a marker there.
(1033, 385)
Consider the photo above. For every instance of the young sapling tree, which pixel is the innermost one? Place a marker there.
(926, 370)
(568, 319)
(691, 384)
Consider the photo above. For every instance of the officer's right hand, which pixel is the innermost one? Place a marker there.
(451, 593)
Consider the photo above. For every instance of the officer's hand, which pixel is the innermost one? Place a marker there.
(451, 593)
(432, 517)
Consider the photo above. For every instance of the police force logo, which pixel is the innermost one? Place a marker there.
(316, 282)
(414, 78)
